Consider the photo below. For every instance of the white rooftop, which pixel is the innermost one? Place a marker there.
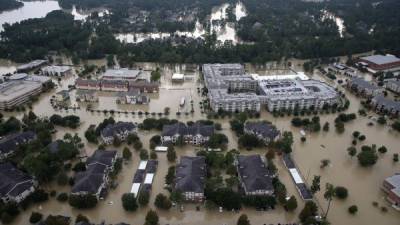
(121, 73)
(135, 188)
(142, 165)
(178, 76)
(296, 176)
(149, 178)
(381, 59)
(161, 149)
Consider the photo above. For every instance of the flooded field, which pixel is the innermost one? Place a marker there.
(363, 183)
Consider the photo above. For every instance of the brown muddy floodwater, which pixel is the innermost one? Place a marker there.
(363, 183)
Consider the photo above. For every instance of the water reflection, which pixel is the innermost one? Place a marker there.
(31, 9)
(225, 31)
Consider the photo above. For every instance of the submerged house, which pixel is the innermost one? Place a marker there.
(195, 134)
(10, 143)
(263, 130)
(190, 178)
(121, 130)
(15, 185)
(94, 181)
(254, 177)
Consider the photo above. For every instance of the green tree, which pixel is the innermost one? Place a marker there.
(328, 195)
(169, 178)
(171, 154)
(144, 154)
(126, 154)
(308, 213)
(243, 220)
(291, 204)
(144, 198)
(129, 202)
(35, 217)
(352, 151)
(151, 218)
(162, 202)
(367, 156)
(315, 186)
(341, 192)
(353, 209)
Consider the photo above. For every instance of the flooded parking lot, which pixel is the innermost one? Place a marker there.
(363, 183)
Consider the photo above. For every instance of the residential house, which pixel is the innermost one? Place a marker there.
(190, 178)
(254, 177)
(386, 105)
(94, 181)
(121, 130)
(15, 185)
(198, 133)
(364, 87)
(391, 186)
(195, 134)
(393, 85)
(263, 130)
(10, 143)
(104, 158)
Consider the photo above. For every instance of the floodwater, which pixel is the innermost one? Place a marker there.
(363, 183)
(39, 9)
(225, 31)
(31, 9)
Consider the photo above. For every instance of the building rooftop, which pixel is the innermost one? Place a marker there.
(254, 173)
(90, 180)
(113, 129)
(56, 69)
(191, 174)
(381, 59)
(13, 89)
(182, 129)
(360, 82)
(394, 180)
(387, 103)
(13, 181)
(31, 65)
(123, 73)
(11, 142)
(267, 130)
(103, 157)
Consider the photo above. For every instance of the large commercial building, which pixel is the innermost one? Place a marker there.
(19, 88)
(231, 89)
(381, 63)
(391, 186)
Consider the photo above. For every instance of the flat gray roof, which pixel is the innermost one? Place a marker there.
(121, 73)
(381, 59)
(13, 89)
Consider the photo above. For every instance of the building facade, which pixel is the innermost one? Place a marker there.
(196, 134)
(391, 186)
(231, 89)
(119, 130)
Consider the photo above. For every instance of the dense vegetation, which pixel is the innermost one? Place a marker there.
(272, 30)
(9, 4)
